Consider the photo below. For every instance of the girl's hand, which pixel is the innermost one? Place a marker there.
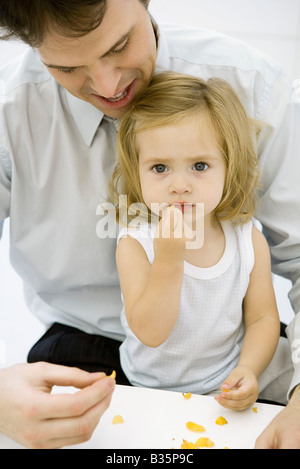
(239, 390)
(169, 242)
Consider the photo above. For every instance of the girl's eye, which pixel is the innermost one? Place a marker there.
(159, 168)
(200, 166)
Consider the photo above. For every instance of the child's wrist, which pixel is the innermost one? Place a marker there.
(249, 368)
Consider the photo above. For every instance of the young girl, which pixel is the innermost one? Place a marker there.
(202, 319)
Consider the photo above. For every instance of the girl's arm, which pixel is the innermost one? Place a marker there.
(260, 311)
(262, 329)
(151, 292)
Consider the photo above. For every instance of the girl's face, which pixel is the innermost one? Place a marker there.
(181, 164)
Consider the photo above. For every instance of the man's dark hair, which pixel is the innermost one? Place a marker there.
(30, 20)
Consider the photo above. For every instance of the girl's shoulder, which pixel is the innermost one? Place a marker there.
(143, 233)
(252, 241)
(138, 231)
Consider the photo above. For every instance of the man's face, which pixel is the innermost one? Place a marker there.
(108, 66)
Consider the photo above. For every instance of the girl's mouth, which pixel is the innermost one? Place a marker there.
(183, 206)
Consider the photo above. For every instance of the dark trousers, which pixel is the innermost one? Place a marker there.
(65, 345)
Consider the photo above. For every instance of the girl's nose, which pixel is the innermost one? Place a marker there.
(180, 184)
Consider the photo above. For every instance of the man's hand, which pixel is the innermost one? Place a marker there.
(35, 418)
(284, 430)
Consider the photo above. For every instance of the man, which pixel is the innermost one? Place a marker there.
(59, 112)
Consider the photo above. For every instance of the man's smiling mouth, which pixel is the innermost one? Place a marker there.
(119, 96)
(120, 99)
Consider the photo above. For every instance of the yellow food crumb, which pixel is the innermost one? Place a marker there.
(188, 445)
(187, 395)
(200, 443)
(194, 427)
(254, 410)
(226, 390)
(113, 375)
(117, 419)
(204, 443)
(221, 421)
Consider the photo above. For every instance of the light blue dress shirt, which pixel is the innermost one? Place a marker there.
(57, 154)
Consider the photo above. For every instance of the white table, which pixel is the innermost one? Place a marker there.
(157, 420)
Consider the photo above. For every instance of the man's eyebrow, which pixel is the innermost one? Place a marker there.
(61, 67)
(118, 43)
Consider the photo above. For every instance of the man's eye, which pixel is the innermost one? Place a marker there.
(200, 166)
(159, 168)
(66, 70)
(122, 47)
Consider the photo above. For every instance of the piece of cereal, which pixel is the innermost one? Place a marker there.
(254, 409)
(195, 427)
(188, 445)
(204, 443)
(221, 421)
(117, 419)
(187, 395)
(200, 443)
(113, 375)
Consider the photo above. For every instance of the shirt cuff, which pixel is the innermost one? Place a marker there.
(295, 381)
(293, 333)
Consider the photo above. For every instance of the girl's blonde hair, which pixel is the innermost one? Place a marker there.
(168, 99)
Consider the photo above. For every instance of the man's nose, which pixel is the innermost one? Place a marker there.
(105, 80)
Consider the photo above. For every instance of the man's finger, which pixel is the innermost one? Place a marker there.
(74, 404)
(266, 440)
(59, 432)
(48, 374)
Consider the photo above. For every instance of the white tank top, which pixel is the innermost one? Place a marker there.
(205, 343)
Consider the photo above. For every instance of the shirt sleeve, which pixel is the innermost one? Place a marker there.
(279, 208)
(5, 183)
(293, 333)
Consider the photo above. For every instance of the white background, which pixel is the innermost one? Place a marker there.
(270, 25)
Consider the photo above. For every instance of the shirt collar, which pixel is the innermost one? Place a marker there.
(87, 117)
(163, 53)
